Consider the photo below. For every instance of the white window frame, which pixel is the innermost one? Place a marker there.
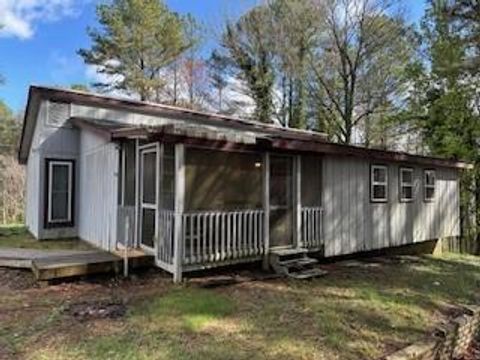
(429, 186)
(404, 184)
(51, 165)
(374, 183)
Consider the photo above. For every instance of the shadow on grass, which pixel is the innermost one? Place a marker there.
(352, 313)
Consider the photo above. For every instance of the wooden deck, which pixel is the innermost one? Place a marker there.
(50, 265)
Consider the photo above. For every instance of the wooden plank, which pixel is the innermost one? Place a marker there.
(53, 267)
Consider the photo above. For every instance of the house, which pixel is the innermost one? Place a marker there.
(199, 190)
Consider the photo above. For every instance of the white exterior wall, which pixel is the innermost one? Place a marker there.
(97, 186)
(352, 223)
(51, 139)
(32, 211)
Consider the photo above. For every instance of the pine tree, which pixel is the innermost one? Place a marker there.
(218, 74)
(138, 38)
(250, 48)
(444, 102)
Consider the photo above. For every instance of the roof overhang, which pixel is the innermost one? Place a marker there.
(200, 128)
(196, 135)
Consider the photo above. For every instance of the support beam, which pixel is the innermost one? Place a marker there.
(298, 201)
(179, 207)
(266, 209)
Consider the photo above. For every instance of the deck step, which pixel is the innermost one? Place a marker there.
(308, 274)
(288, 252)
(298, 262)
(294, 263)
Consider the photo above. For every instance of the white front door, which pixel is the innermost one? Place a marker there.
(149, 160)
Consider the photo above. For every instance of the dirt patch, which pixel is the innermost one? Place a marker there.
(5, 354)
(12, 279)
(97, 310)
(473, 351)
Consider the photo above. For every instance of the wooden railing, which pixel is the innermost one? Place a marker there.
(165, 243)
(210, 237)
(312, 227)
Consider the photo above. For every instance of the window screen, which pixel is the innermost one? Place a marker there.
(168, 183)
(406, 184)
(59, 192)
(220, 180)
(311, 181)
(429, 184)
(149, 177)
(129, 177)
(378, 183)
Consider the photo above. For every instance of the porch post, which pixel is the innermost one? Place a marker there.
(179, 207)
(136, 241)
(158, 177)
(266, 209)
(298, 201)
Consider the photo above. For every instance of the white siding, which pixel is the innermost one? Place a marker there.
(50, 140)
(353, 223)
(97, 186)
(32, 211)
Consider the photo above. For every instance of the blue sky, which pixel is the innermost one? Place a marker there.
(39, 44)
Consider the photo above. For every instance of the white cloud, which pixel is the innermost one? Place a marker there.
(19, 17)
(94, 76)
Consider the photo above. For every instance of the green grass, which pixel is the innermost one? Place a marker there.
(17, 236)
(351, 314)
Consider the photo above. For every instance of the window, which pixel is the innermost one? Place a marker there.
(406, 184)
(429, 185)
(59, 199)
(379, 183)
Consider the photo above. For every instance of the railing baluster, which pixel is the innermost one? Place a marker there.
(211, 253)
(254, 234)
(240, 234)
(229, 235)
(217, 241)
(198, 223)
(190, 238)
(234, 235)
(245, 234)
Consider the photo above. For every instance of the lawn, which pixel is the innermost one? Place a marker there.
(359, 311)
(16, 236)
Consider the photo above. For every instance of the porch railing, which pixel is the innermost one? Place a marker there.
(165, 243)
(220, 236)
(312, 227)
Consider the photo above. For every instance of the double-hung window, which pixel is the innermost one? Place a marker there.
(60, 193)
(406, 184)
(429, 185)
(379, 183)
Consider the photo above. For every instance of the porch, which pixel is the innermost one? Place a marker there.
(195, 207)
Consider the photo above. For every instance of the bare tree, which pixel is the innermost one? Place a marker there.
(356, 69)
(12, 185)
